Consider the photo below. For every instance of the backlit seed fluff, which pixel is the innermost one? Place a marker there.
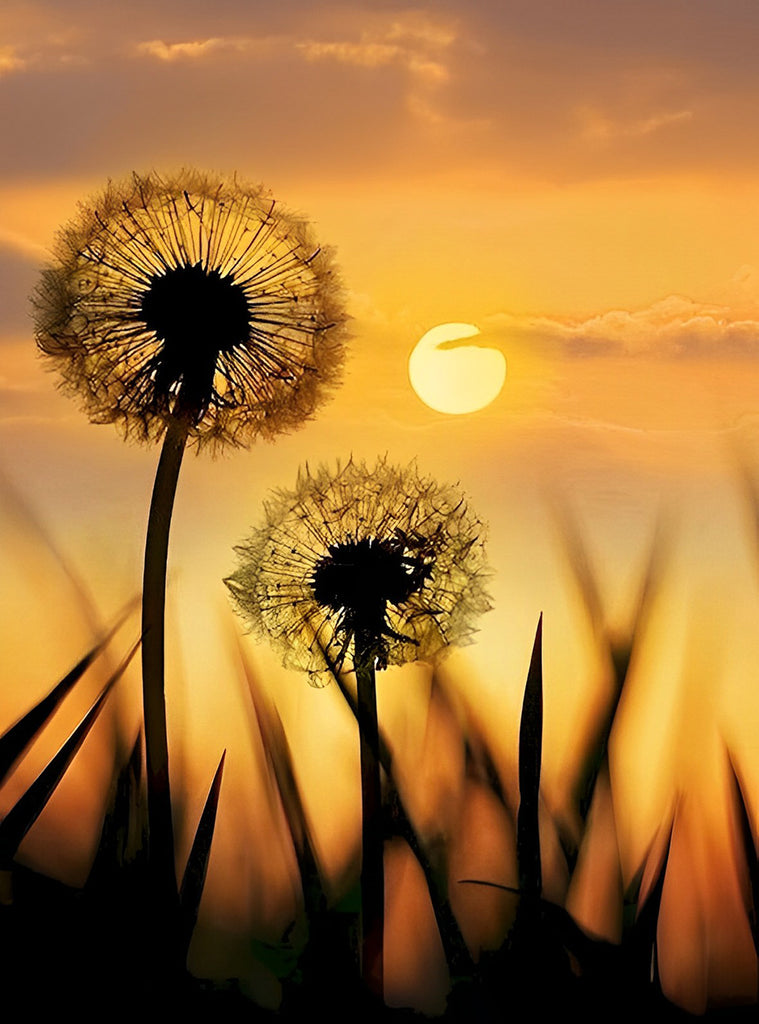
(196, 296)
(384, 555)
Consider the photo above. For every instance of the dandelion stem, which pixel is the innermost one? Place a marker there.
(161, 830)
(372, 871)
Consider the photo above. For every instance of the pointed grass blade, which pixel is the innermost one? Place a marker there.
(748, 844)
(457, 956)
(530, 755)
(749, 482)
(620, 651)
(642, 943)
(15, 740)
(28, 808)
(194, 878)
(285, 784)
(123, 837)
(579, 562)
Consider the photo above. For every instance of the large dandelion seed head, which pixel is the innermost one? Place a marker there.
(385, 561)
(194, 296)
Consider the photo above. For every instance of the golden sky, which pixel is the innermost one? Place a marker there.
(576, 179)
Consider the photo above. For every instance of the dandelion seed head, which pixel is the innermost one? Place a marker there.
(384, 557)
(192, 295)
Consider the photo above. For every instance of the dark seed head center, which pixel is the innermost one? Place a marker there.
(360, 578)
(196, 312)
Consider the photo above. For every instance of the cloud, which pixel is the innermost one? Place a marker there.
(177, 51)
(674, 328)
(362, 54)
(509, 90)
(413, 43)
(10, 60)
(13, 61)
(598, 126)
(196, 49)
(415, 26)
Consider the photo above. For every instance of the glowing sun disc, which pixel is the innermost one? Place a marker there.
(455, 380)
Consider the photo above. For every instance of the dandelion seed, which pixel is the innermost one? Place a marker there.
(196, 309)
(370, 567)
(196, 296)
(383, 557)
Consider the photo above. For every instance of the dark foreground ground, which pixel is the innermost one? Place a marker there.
(62, 955)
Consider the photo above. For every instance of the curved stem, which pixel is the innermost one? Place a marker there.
(372, 868)
(162, 871)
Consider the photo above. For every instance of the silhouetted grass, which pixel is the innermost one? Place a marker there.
(28, 807)
(97, 947)
(18, 737)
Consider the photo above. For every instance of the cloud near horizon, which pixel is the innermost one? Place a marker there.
(675, 328)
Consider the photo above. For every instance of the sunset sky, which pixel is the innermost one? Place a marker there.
(578, 180)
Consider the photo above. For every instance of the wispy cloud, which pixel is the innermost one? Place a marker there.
(10, 60)
(196, 49)
(415, 44)
(177, 51)
(361, 54)
(598, 126)
(674, 328)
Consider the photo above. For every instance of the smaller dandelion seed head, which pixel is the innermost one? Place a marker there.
(384, 558)
(196, 295)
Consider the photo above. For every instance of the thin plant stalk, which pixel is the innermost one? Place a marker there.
(372, 867)
(160, 825)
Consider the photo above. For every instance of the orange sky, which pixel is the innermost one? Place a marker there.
(578, 180)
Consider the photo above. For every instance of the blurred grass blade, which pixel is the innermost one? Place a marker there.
(579, 562)
(618, 649)
(18, 737)
(481, 767)
(748, 843)
(749, 483)
(643, 942)
(315, 954)
(27, 809)
(285, 786)
(456, 951)
(457, 956)
(194, 878)
(28, 517)
(123, 837)
(530, 754)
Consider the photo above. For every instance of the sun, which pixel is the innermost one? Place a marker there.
(457, 379)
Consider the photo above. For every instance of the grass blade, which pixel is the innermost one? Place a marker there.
(28, 808)
(530, 755)
(749, 848)
(123, 838)
(194, 878)
(617, 649)
(642, 943)
(279, 757)
(19, 736)
(315, 959)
